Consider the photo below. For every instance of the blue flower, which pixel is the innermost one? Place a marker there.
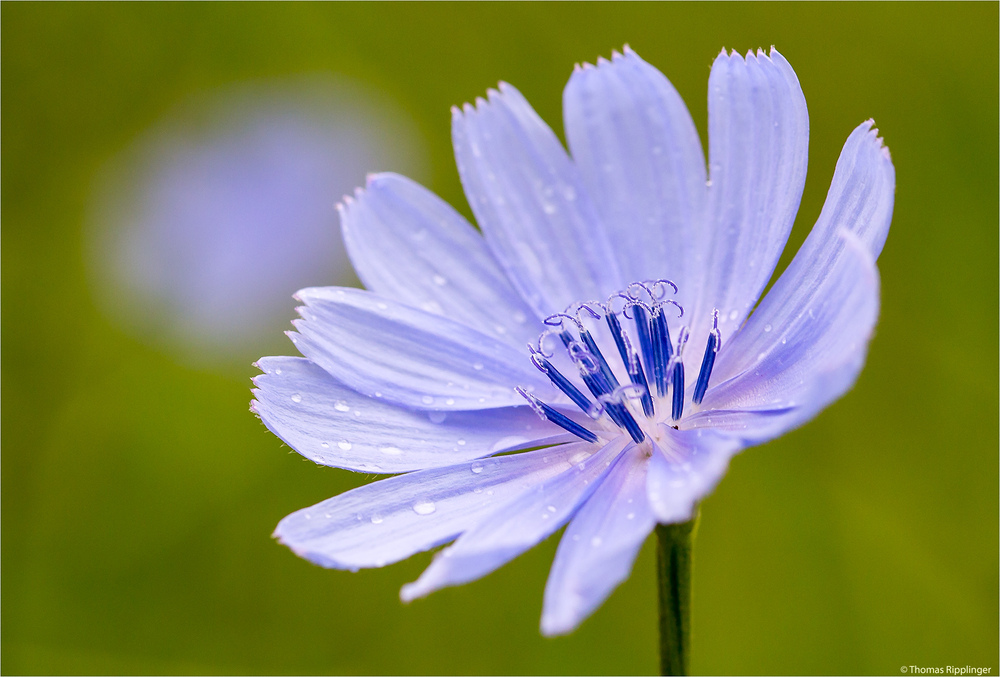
(632, 275)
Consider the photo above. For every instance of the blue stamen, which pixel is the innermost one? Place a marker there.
(645, 343)
(563, 383)
(677, 376)
(638, 376)
(678, 384)
(711, 349)
(549, 414)
(662, 351)
(602, 363)
(616, 332)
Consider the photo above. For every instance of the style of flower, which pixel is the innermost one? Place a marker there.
(631, 274)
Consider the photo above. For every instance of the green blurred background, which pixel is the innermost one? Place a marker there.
(139, 494)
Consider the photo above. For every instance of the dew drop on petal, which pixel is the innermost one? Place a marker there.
(476, 468)
(424, 507)
(450, 401)
(440, 280)
(324, 445)
(427, 399)
(340, 405)
(478, 366)
(391, 451)
(767, 327)
(296, 398)
(376, 519)
(344, 445)
(461, 443)
(278, 372)
(437, 416)
(551, 508)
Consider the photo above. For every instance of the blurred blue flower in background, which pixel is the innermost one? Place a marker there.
(206, 225)
(632, 274)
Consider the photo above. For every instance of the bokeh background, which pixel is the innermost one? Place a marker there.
(169, 168)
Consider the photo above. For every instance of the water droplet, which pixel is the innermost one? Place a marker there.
(551, 508)
(296, 398)
(378, 394)
(424, 507)
(391, 451)
(477, 468)
(357, 413)
(450, 400)
(477, 490)
(376, 519)
(324, 445)
(733, 315)
(440, 280)
(596, 541)
(278, 372)
(579, 457)
(437, 416)
(478, 366)
(549, 208)
(489, 492)
(461, 443)
(340, 405)
(767, 327)
(427, 399)
(344, 445)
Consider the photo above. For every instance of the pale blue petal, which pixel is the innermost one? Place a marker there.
(684, 468)
(389, 520)
(521, 524)
(638, 152)
(758, 138)
(821, 332)
(408, 244)
(531, 204)
(385, 349)
(597, 551)
(805, 344)
(331, 424)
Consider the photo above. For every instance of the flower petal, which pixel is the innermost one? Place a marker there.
(683, 469)
(758, 138)
(331, 424)
(600, 544)
(805, 344)
(386, 349)
(520, 525)
(408, 244)
(531, 204)
(815, 357)
(389, 520)
(638, 152)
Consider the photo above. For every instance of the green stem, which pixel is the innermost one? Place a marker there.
(674, 574)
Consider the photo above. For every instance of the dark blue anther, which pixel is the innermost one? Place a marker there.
(616, 333)
(563, 383)
(560, 419)
(638, 377)
(706, 367)
(567, 423)
(642, 331)
(662, 351)
(602, 363)
(678, 384)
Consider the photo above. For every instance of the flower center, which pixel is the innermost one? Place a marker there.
(655, 389)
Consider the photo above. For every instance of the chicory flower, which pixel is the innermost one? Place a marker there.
(614, 291)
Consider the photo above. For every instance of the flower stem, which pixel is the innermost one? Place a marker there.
(674, 578)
